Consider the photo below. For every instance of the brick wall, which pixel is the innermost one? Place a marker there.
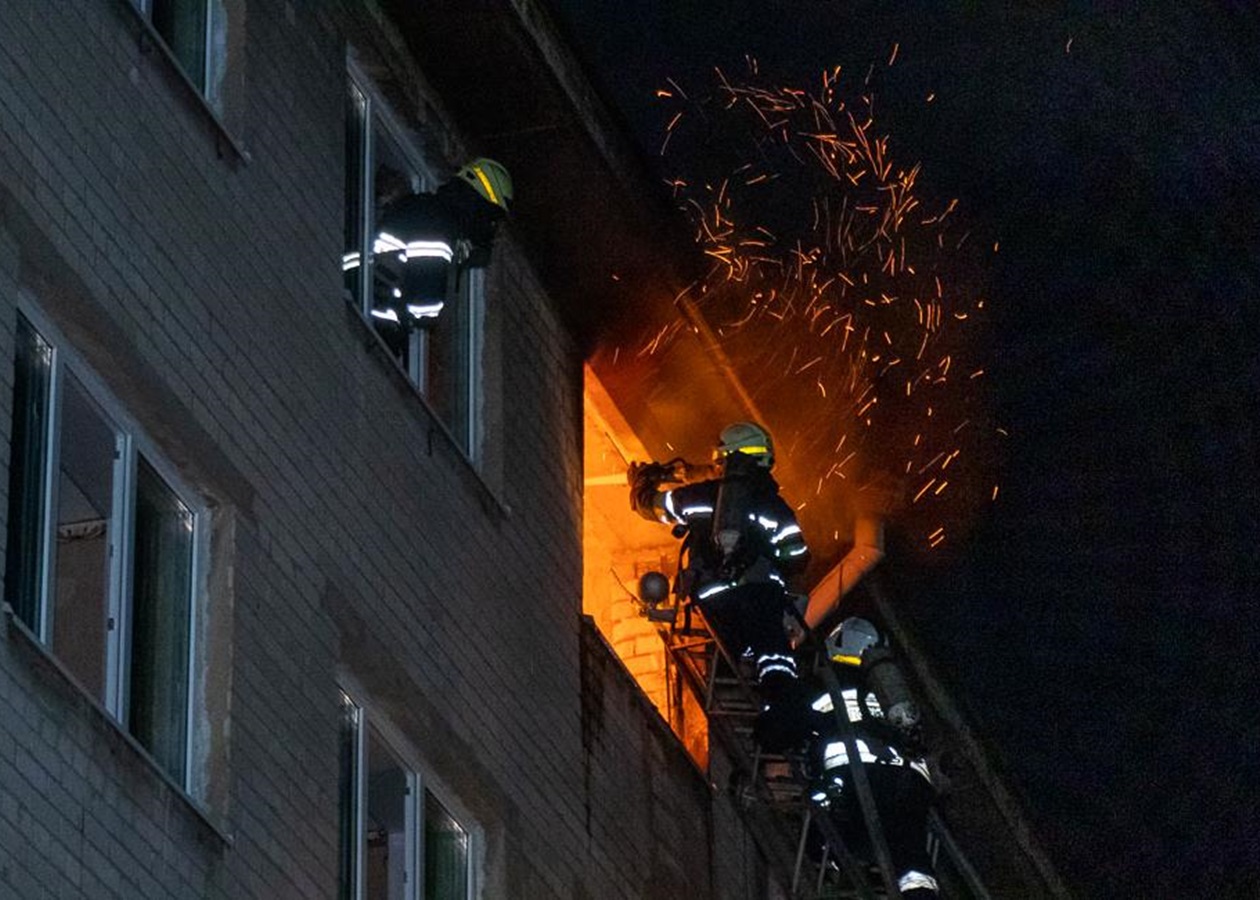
(657, 827)
(353, 543)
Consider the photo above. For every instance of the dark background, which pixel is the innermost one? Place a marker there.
(1099, 624)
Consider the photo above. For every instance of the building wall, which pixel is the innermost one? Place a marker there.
(353, 545)
(648, 804)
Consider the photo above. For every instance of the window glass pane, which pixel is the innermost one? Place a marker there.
(445, 853)
(393, 174)
(448, 362)
(217, 27)
(161, 621)
(28, 468)
(386, 826)
(182, 25)
(348, 794)
(356, 138)
(89, 447)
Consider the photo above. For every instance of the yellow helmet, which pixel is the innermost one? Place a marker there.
(489, 179)
(748, 438)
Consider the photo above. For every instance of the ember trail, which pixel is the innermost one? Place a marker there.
(843, 296)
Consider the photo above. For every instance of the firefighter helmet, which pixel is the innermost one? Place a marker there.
(852, 638)
(489, 179)
(748, 438)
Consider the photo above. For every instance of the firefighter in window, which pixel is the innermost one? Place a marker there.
(885, 728)
(741, 543)
(424, 240)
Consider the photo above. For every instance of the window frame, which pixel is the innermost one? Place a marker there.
(211, 67)
(132, 447)
(369, 727)
(373, 110)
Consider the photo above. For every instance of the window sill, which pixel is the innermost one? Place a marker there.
(149, 42)
(43, 658)
(491, 502)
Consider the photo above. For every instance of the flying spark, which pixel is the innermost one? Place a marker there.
(838, 290)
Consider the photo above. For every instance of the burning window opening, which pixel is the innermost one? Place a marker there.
(619, 547)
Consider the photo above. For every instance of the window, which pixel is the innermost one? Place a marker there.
(103, 550)
(195, 33)
(440, 354)
(399, 841)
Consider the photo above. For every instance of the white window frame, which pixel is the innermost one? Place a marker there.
(375, 109)
(466, 434)
(212, 66)
(418, 786)
(471, 294)
(131, 445)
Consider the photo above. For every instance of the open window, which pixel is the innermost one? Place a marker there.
(105, 550)
(439, 343)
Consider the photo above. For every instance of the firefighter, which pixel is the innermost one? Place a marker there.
(886, 731)
(423, 240)
(742, 543)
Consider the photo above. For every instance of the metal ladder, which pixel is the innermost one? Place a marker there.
(769, 790)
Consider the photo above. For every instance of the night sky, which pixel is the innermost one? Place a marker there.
(1099, 623)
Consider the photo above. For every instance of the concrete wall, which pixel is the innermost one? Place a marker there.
(353, 545)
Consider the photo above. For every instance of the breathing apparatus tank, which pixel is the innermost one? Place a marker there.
(857, 642)
(730, 516)
(738, 493)
(885, 679)
(746, 450)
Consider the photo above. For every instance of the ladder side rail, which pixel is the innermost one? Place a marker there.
(769, 837)
(800, 853)
(710, 687)
(957, 857)
(851, 864)
(935, 693)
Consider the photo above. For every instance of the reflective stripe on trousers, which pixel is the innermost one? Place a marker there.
(775, 662)
(914, 879)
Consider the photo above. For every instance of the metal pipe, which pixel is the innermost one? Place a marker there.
(865, 555)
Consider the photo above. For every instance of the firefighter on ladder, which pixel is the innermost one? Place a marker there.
(742, 543)
(884, 727)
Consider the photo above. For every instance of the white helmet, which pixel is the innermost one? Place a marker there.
(748, 438)
(850, 639)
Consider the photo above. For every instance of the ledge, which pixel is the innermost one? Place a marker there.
(592, 637)
(148, 40)
(41, 658)
(491, 501)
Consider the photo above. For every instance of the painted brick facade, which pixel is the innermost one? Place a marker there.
(353, 544)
